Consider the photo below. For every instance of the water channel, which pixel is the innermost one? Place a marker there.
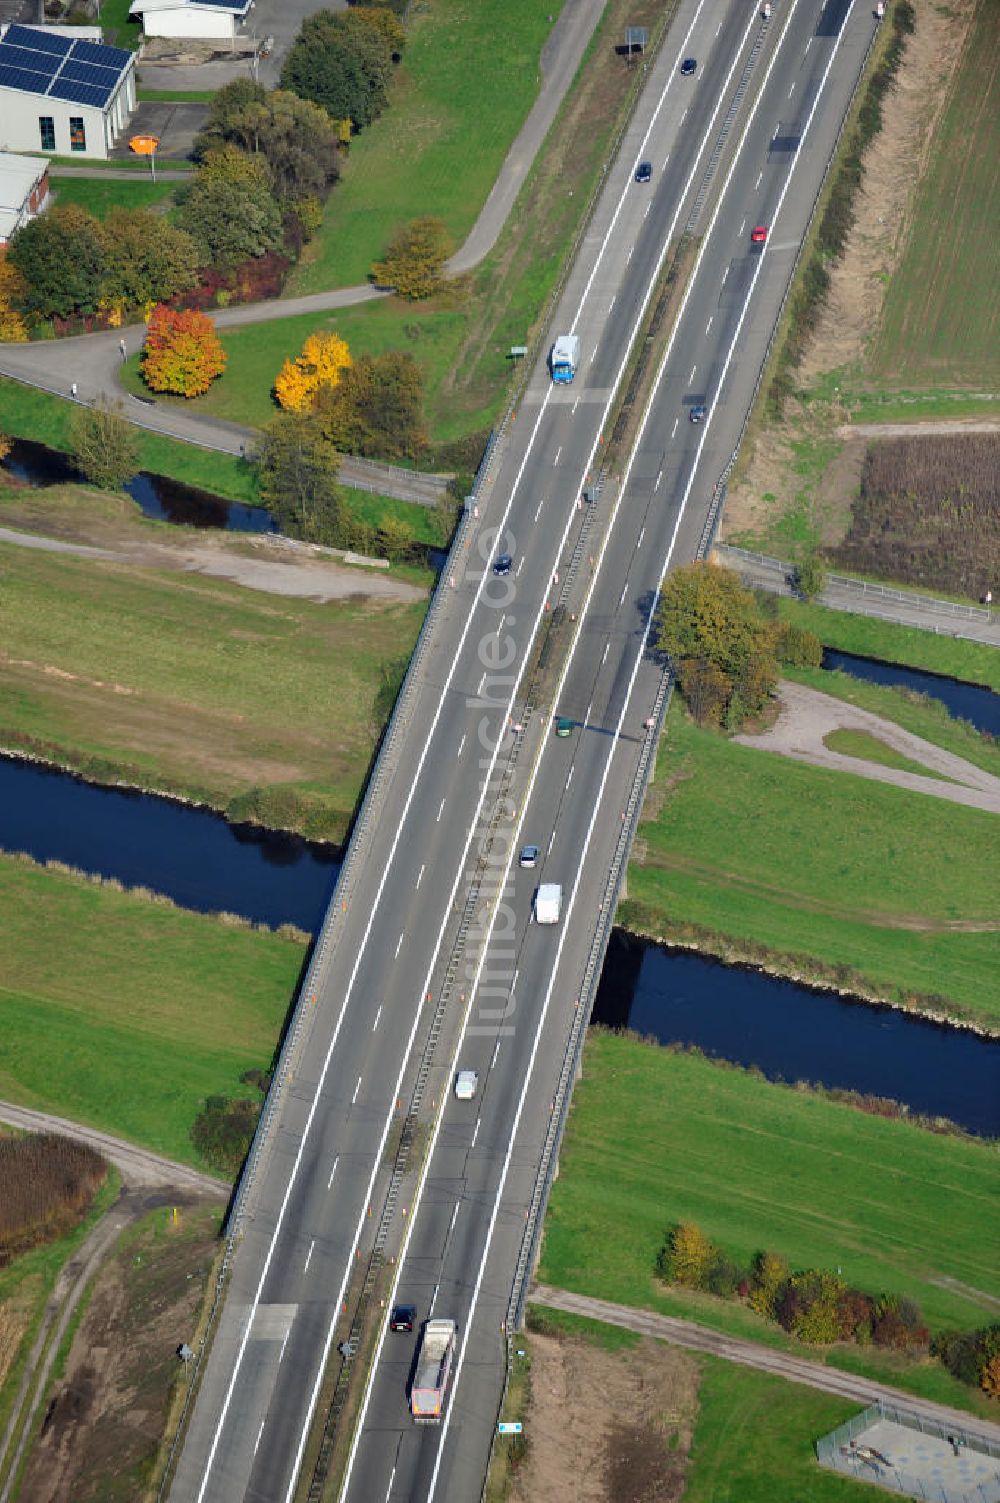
(981, 707)
(793, 1032)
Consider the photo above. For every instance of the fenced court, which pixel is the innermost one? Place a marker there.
(916, 1457)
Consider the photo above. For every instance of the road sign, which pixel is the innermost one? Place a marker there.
(509, 1427)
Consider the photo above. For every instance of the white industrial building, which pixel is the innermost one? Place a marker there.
(62, 93)
(24, 191)
(210, 20)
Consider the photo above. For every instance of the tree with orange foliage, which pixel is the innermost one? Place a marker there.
(182, 353)
(12, 326)
(323, 360)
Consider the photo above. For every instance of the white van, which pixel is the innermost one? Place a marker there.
(548, 903)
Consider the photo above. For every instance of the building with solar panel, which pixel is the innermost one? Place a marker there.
(62, 93)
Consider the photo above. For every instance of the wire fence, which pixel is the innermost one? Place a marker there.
(912, 1454)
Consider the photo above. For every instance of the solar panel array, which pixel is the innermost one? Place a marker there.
(235, 5)
(69, 68)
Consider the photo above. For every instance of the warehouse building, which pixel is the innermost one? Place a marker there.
(211, 20)
(62, 93)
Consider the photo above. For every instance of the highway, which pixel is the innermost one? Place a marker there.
(458, 1232)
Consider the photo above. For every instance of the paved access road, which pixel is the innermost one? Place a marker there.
(516, 984)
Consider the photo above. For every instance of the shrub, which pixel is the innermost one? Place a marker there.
(810, 577)
(767, 1283)
(223, 1132)
(104, 445)
(809, 1306)
(798, 647)
(687, 1256)
(376, 410)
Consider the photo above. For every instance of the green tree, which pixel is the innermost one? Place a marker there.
(797, 646)
(770, 1274)
(395, 538)
(146, 258)
(230, 221)
(60, 255)
(296, 138)
(104, 445)
(387, 24)
(706, 690)
(687, 1256)
(298, 469)
(377, 408)
(705, 613)
(342, 64)
(414, 263)
(810, 577)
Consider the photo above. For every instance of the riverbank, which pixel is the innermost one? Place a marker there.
(818, 874)
(140, 1010)
(758, 1166)
(172, 681)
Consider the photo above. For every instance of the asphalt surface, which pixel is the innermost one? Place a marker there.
(456, 1236)
(768, 1359)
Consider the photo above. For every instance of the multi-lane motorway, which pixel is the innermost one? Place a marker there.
(458, 1229)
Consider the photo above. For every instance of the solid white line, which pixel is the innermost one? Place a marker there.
(392, 1478)
(332, 1173)
(430, 1307)
(260, 1432)
(558, 452)
(461, 744)
(420, 874)
(625, 707)
(441, 811)
(475, 1134)
(309, 1256)
(642, 534)
(356, 1090)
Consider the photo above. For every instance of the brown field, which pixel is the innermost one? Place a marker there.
(48, 1184)
(928, 514)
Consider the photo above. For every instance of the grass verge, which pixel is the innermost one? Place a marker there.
(867, 884)
(867, 748)
(656, 1137)
(138, 1013)
(106, 661)
(100, 195)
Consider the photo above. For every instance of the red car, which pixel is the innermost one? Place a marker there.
(758, 235)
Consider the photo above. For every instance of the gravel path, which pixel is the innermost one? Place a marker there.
(695, 1338)
(283, 573)
(807, 716)
(929, 427)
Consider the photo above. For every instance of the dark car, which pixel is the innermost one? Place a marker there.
(644, 172)
(689, 66)
(697, 413)
(564, 726)
(504, 564)
(402, 1318)
(758, 234)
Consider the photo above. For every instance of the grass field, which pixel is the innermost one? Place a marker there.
(941, 320)
(139, 1011)
(99, 195)
(859, 877)
(457, 101)
(754, 1438)
(869, 637)
(656, 1137)
(196, 686)
(861, 745)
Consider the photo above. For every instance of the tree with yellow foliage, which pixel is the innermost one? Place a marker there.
(323, 360)
(12, 326)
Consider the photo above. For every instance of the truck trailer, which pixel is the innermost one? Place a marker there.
(430, 1382)
(565, 358)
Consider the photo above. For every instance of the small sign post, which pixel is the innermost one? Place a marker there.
(145, 146)
(509, 1427)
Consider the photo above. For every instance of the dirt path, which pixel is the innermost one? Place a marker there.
(929, 427)
(807, 716)
(695, 1338)
(276, 570)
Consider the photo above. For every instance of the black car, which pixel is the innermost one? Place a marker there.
(402, 1317)
(644, 172)
(689, 66)
(697, 413)
(504, 564)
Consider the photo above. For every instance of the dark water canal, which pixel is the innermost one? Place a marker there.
(791, 1032)
(191, 855)
(981, 707)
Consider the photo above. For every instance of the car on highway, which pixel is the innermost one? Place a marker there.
(644, 172)
(758, 234)
(564, 726)
(528, 857)
(504, 564)
(689, 66)
(698, 412)
(466, 1085)
(402, 1318)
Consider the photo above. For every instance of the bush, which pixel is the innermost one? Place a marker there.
(223, 1132)
(768, 1278)
(797, 647)
(376, 409)
(104, 445)
(687, 1256)
(414, 263)
(810, 577)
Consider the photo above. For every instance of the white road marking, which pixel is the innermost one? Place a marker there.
(309, 1256)
(612, 302)
(420, 874)
(709, 324)
(283, 1345)
(502, 620)
(538, 509)
(461, 744)
(691, 377)
(718, 28)
(475, 1134)
(683, 117)
(575, 405)
(648, 207)
(666, 159)
(332, 1173)
(791, 91)
(586, 718)
(496, 1053)
(441, 811)
(607, 649)
(659, 473)
(621, 598)
(379, 1013)
(760, 177)
(558, 452)
(570, 778)
(743, 227)
(593, 355)
(629, 256)
(479, 690)
(356, 1090)
(672, 432)
(392, 1478)
(642, 534)
(808, 45)
(260, 1432)
(724, 276)
(521, 563)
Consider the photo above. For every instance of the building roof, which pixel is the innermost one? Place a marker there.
(36, 61)
(231, 7)
(18, 175)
